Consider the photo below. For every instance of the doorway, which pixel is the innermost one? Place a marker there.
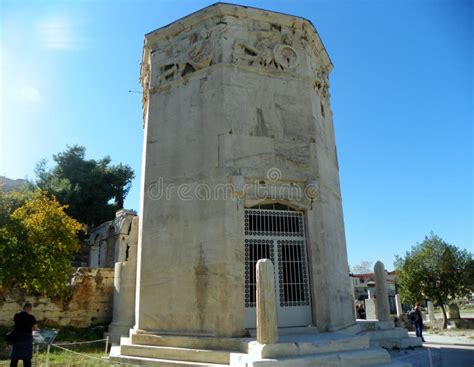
(278, 234)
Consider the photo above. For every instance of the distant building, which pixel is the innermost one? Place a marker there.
(363, 283)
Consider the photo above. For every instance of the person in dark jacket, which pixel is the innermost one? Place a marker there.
(361, 312)
(22, 347)
(417, 320)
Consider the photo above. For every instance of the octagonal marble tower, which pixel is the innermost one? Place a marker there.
(239, 163)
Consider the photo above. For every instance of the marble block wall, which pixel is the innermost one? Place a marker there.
(229, 94)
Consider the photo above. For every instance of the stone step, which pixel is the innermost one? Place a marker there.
(399, 343)
(371, 325)
(298, 330)
(193, 342)
(142, 361)
(357, 358)
(308, 345)
(394, 364)
(176, 354)
(386, 334)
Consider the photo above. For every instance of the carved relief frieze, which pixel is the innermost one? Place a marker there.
(257, 44)
(269, 49)
(145, 83)
(321, 81)
(285, 56)
(193, 51)
(200, 54)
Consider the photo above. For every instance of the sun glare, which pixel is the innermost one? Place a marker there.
(59, 33)
(30, 94)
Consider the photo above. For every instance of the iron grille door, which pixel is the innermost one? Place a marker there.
(278, 235)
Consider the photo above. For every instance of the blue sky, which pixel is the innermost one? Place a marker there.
(402, 97)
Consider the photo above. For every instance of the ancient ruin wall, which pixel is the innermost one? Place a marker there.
(90, 302)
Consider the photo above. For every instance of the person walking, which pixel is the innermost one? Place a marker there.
(22, 347)
(417, 319)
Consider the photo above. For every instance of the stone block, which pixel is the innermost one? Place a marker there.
(370, 309)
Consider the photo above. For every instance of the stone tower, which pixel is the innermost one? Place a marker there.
(239, 164)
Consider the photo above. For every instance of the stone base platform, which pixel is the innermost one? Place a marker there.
(299, 350)
(384, 334)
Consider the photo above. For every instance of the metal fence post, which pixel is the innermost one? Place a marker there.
(36, 355)
(106, 345)
(47, 355)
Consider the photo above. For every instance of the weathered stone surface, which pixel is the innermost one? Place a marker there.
(109, 241)
(384, 334)
(233, 91)
(370, 309)
(382, 307)
(125, 277)
(301, 345)
(267, 328)
(90, 303)
(366, 357)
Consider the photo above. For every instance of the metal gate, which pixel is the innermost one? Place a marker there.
(278, 235)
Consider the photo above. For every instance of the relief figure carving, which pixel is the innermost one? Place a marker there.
(269, 49)
(145, 82)
(321, 82)
(198, 56)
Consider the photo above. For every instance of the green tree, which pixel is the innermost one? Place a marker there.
(435, 270)
(93, 189)
(37, 243)
(11, 201)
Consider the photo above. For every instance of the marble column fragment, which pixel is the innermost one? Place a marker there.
(382, 307)
(398, 304)
(267, 327)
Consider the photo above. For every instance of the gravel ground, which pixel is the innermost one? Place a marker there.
(446, 348)
(419, 357)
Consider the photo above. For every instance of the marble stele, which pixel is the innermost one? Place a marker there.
(237, 121)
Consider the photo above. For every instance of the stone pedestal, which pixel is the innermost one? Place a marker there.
(370, 309)
(267, 328)
(398, 304)
(382, 307)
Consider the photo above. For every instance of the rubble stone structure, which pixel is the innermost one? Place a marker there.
(109, 243)
(113, 244)
(237, 97)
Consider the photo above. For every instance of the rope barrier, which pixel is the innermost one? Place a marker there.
(74, 352)
(102, 360)
(78, 343)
